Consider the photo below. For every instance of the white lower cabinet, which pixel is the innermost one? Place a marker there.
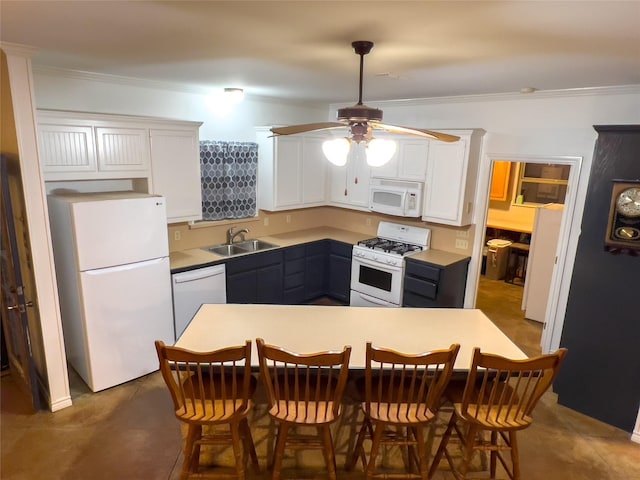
(291, 171)
(164, 154)
(451, 178)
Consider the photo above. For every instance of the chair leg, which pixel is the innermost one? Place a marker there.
(358, 449)
(281, 441)
(237, 449)
(443, 446)
(249, 446)
(422, 452)
(190, 457)
(494, 453)
(469, 443)
(515, 456)
(328, 451)
(378, 430)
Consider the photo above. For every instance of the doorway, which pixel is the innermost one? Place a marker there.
(517, 279)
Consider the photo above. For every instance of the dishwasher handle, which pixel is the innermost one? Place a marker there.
(198, 274)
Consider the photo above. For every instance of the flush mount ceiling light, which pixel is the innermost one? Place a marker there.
(362, 120)
(234, 95)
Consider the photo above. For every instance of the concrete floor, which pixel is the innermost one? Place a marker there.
(129, 431)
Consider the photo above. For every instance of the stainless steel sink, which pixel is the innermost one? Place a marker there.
(255, 245)
(240, 248)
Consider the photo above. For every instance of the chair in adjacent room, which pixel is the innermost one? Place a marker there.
(402, 395)
(498, 399)
(303, 390)
(210, 390)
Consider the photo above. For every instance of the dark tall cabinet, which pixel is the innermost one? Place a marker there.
(601, 374)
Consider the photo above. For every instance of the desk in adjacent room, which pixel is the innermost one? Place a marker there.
(311, 328)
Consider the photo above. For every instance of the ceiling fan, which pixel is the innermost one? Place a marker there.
(361, 120)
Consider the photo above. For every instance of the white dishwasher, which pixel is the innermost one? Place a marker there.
(193, 288)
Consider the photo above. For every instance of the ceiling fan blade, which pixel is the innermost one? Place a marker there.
(444, 137)
(307, 127)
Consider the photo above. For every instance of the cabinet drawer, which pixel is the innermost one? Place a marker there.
(421, 287)
(253, 261)
(410, 299)
(294, 252)
(424, 270)
(294, 266)
(295, 280)
(340, 248)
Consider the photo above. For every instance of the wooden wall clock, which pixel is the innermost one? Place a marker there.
(623, 229)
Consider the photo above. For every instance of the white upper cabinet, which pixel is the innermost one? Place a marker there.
(451, 178)
(409, 161)
(175, 169)
(349, 185)
(77, 146)
(163, 156)
(291, 171)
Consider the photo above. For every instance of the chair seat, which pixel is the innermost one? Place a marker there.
(206, 411)
(399, 413)
(495, 418)
(304, 413)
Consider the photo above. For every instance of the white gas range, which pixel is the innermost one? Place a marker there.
(377, 265)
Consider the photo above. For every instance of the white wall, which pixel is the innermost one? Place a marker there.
(92, 93)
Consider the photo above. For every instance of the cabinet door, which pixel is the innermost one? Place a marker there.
(314, 167)
(500, 181)
(446, 179)
(315, 278)
(66, 149)
(413, 159)
(288, 172)
(359, 176)
(242, 287)
(123, 150)
(269, 284)
(339, 277)
(175, 169)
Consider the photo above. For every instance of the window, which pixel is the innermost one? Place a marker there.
(228, 173)
(540, 183)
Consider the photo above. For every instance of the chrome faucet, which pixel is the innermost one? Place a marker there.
(231, 235)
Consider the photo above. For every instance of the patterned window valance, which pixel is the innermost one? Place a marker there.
(229, 179)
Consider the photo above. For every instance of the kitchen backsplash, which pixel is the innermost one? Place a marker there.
(183, 236)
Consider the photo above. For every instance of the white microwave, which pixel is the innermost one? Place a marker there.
(396, 197)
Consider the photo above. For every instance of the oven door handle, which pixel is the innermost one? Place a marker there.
(380, 266)
(373, 300)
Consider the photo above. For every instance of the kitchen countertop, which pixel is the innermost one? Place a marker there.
(185, 259)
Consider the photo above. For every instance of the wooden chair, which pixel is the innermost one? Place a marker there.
(499, 397)
(402, 395)
(210, 389)
(303, 390)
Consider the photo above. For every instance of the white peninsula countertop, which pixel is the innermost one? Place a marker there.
(312, 328)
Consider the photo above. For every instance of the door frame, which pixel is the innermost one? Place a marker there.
(554, 316)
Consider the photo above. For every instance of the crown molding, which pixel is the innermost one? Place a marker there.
(496, 97)
(10, 48)
(57, 72)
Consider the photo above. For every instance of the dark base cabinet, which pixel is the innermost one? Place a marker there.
(255, 278)
(340, 271)
(428, 285)
(294, 271)
(315, 279)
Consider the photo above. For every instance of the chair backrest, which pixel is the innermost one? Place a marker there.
(415, 381)
(502, 392)
(207, 386)
(295, 381)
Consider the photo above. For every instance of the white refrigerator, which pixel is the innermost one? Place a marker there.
(114, 282)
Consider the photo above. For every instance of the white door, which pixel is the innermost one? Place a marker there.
(126, 309)
(117, 232)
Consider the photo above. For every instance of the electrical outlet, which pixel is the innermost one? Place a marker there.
(177, 235)
(462, 233)
(288, 218)
(462, 244)
(368, 222)
(266, 221)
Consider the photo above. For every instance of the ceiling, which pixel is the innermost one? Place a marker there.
(301, 50)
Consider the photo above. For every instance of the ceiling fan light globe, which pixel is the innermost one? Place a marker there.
(336, 150)
(380, 152)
